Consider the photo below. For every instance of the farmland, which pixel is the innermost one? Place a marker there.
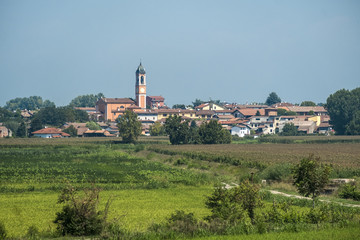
(147, 181)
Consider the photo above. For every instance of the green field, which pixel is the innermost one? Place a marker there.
(146, 182)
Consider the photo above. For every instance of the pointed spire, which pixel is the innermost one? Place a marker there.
(140, 69)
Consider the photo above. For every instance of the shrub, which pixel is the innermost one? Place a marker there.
(277, 172)
(3, 232)
(79, 216)
(33, 232)
(349, 191)
(236, 203)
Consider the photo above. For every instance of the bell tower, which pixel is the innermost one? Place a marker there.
(140, 87)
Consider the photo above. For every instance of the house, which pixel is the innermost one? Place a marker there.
(209, 106)
(5, 132)
(324, 128)
(98, 133)
(155, 102)
(80, 127)
(315, 110)
(307, 127)
(207, 114)
(111, 108)
(50, 133)
(249, 112)
(240, 130)
(148, 115)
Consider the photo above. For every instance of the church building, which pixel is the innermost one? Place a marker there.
(111, 108)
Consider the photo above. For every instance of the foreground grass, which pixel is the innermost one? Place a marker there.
(349, 233)
(135, 210)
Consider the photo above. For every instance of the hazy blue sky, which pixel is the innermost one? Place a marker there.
(238, 51)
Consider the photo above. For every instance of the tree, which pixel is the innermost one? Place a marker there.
(179, 106)
(29, 103)
(22, 130)
(308, 104)
(79, 216)
(178, 131)
(258, 113)
(35, 125)
(197, 102)
(284, 112)
(86, 100)
(289, 129)
(342, 107)
(272, 99)
(310, 177)
(71, 130)
(93, 125)
(58, 116)
(157, 129)
(230, 204)
(129, 127)
(213, 133)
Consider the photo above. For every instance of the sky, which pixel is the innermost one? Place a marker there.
(237, 51)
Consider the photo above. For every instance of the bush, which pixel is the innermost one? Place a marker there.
(79, 216)
(33, 232)
(349, 191)
(277, 172)
(234, 204)
(3, 232)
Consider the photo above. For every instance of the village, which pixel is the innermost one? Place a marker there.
(240, 119)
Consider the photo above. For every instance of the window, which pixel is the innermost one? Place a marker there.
(142, 79)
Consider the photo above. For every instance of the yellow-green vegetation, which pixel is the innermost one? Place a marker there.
(349, 233)
(147, 184)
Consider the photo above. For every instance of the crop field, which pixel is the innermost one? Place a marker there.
(340, 155)
(146, 182)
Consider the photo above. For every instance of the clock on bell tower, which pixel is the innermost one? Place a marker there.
(140, 87)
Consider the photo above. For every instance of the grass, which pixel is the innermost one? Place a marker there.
(146, 184)
(349, 233)
(135, 209)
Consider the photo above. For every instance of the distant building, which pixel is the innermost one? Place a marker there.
(5, 132)
(50, 133)
(155, 102)
(111, 108)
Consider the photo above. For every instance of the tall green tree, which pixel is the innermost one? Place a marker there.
(58, 116)
(342, 107)
(93, 125)
(311, 177)
(272, 99)
(22, 130)
(71, 130)
(213, 133)
(88, 100)
(29, 103)
(129, 127)
(308, 104)
(178, 130)
(35, 125)
(157, 129)
(289, 129)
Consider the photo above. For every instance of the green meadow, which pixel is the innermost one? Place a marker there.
(145, 182)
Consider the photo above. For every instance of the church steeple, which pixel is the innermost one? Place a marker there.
(140, 86)
(140, 69)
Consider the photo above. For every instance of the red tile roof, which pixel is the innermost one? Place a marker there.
(118, 100)
(47, 131)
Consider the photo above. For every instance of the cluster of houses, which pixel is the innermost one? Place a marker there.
(240, 120)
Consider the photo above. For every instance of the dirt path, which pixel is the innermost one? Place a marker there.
(301, 197)
(227, 186)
